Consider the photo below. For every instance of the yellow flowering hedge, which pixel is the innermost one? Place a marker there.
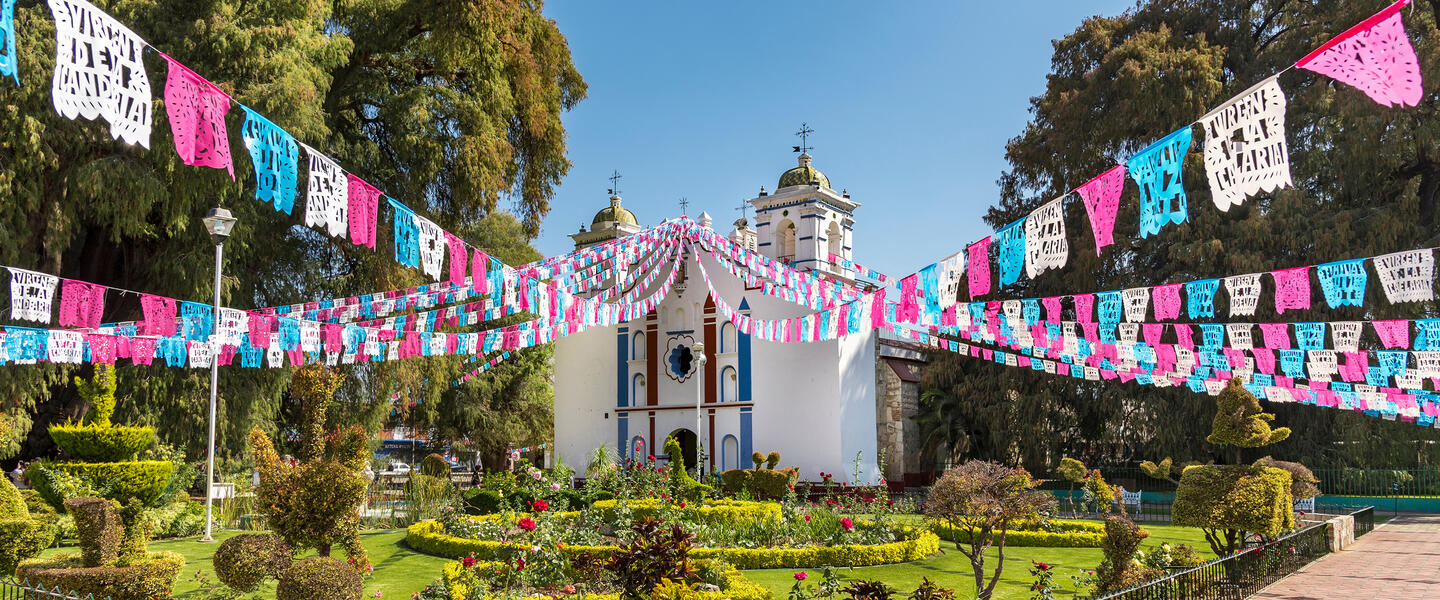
(713, 512)
(734, 586)
(1080, 537)
(914, 544)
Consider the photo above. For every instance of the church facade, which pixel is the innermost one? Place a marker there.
(631, 385)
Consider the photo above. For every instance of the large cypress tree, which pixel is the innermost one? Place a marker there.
(1367, 182)
(448, 106)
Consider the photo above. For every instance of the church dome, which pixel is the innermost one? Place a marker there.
(803, 174)
(614, 214)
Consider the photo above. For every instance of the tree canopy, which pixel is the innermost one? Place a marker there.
(451, 107)
(1367, 182)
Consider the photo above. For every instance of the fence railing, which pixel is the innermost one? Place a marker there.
(1421, 482)
(11, 589)
(1240, 575)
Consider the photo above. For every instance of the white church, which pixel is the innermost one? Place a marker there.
(820, 405)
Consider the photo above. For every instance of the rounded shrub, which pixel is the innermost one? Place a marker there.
(20, 535)
(243, 561)
(99, 527)
(101, 444)
(319, 578)
(434, 465)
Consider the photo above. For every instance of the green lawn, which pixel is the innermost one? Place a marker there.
(399, 571)
(951, 569)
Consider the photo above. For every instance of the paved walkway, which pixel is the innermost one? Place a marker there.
(1397, 561)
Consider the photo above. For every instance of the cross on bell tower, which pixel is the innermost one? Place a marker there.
(615, 183)
(744, 209)
(804, 134)
(684, 206)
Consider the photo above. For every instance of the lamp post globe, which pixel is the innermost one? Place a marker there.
(220, 223)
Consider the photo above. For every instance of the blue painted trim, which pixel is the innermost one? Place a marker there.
(847, 247)
(746, 444)
(743, 358)
(679, 331)
(622, 367)
(764, 244)
(819, 201)
(824, 239)
(765, 224)
(622, 437)
(808, 237)
(725, 464)
(812, 216)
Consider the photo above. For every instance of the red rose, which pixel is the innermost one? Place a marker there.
(807, 518)
(650, 457)
(801, 575)
(519, 564)
(527, 523)
(1040, 565)
(468, 561)
(539, 506)
(847, 523)
(682, 504)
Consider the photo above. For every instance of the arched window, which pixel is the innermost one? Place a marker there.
(727, 337)
(637, 390)
(729, 453)
(637, 346)
(637, 448)
(835, 238)
(728, 385)
(786, 233)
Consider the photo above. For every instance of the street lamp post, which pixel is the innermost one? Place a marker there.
(698, 349)
(219, 223)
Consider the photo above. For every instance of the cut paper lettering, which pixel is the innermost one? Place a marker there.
(327, 201)
(66, 347)
(1345, 335)
(1102, 200)
(1292, 289)
(407, 235)
(1137, 301)
(1343, 282)
(1241, 335)
(1045, 243)
(1011, 254)
(1200, 297)
(276, 158)
(31, 295)
(99, 71)
(1244, 291)
(81, 304)
(197, 119)
(1374, 56)
(364, 211)
(1245, 150)
(432, 246)
(1407, 276)
(978, 254)
(1111, 307)
(1157, 172)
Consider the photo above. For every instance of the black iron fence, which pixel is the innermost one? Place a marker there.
(20, 590)
(1240, 575)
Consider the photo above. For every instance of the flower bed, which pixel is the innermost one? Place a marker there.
(459, 579)
(713, 512)
(913, 544)
(1058, 533)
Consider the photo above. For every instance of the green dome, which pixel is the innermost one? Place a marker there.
(615, 214)
(803, 175)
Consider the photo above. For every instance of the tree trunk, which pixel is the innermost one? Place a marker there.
(323, 550)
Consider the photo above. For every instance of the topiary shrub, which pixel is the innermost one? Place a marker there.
(435, 465)
(1303, 483)
(144, 480)
(44, 516)
(243, 561)
(101, 444)
(1240, 423)
(683, 486)
(483, 502)
(1118, 570)
(762, 483)
(758, 458)
(20, 535)
(99, 527)
(319, 578)
(772, 460)
(1228, 500)
(145, 578)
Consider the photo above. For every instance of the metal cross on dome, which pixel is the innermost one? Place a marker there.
(684, 206)
(804, 133)
(615, 183)
(744, 209)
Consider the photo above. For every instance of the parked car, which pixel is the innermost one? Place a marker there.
(396, 468)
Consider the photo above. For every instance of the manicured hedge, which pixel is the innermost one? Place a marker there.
(426, 536)
(734, 585)
(151, 577)
(101, 444)
(762, 483)
(1244, 497)
(319, 578)
(713, 512)
(145, 479)
(1079, 537)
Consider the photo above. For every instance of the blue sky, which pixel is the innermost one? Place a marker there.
(912, 103)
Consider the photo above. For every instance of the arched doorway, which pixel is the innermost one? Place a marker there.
(687, 447)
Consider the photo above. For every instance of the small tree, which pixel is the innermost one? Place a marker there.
(1073, 471)
(980, 501)
(1122, 540)
(1303, 483)
(1099, 492)
(1240, 423)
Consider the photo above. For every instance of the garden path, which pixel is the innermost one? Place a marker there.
(1399, 560)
